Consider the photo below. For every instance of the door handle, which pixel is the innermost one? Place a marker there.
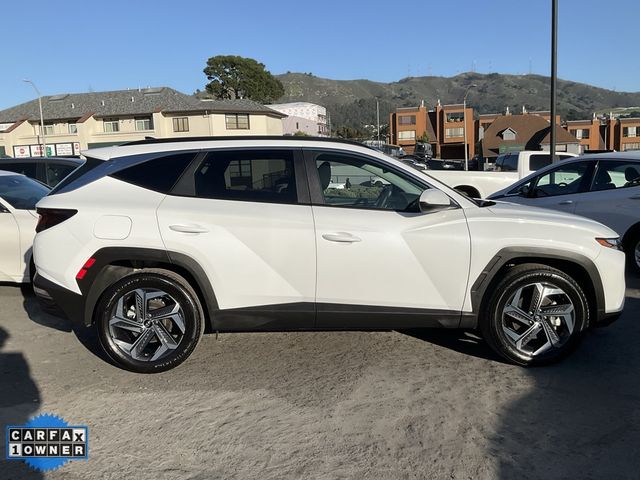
(188, 228)
(341, 237)
(566, 202)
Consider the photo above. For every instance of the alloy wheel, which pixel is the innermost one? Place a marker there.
(537, 317)
(147, 324)
(637, 254)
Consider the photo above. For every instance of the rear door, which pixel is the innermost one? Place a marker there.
(244, 216)
(614, 195)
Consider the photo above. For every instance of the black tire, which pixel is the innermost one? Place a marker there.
(176, 289)
(523, 276)
(633, 243)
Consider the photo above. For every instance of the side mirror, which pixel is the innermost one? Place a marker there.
(434, 199)
(524, 191)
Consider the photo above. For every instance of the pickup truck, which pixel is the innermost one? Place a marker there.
(509, 168)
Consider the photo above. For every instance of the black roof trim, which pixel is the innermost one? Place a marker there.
(151, 141)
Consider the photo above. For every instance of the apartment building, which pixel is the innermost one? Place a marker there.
(589, 133)
(75, 122)
(443, 127)
(306, 117)
(626, 134)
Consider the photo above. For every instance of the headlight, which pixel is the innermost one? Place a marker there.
(614, 243)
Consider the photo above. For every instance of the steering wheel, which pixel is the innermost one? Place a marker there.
(384, 197)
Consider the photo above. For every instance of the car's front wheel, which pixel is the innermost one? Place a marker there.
(633, 252)
(535, 315)
(149, 321)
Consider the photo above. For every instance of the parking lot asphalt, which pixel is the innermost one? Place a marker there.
(328, 405)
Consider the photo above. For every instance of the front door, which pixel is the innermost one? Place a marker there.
(381, 261)
(242, 218)
(559, 188)
(9, 245)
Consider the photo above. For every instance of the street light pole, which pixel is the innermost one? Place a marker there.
(44, 141)
(554, 75)
(464, 120)
(378, 118)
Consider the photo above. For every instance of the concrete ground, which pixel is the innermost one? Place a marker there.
(353, 405)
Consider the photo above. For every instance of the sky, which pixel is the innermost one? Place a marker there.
(80, 46)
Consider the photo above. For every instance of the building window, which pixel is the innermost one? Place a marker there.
(407, 119)
(455, 117)
(237, 121)
(580, 133)
(630, 132)
(144, 123)
(630, 146)
(111, 125)
(407, 135)
(181, 124)
(454, 132)
(73, 128)
(48, 129)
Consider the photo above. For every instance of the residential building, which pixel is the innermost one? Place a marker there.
(589, 133)
(316, 114)
(74, 122)
(626, 134)
(442, 127)
(512, 133)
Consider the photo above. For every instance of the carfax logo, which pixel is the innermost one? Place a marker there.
(47, 442)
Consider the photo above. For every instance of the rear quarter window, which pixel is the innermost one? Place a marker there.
(159, 174)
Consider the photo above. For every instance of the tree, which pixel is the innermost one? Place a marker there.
(233, 77)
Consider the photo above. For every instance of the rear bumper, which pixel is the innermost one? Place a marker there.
(59, 301)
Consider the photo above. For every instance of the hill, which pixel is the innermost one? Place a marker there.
(352, 103)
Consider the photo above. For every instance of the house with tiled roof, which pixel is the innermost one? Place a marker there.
(529, 131)
(78, 121)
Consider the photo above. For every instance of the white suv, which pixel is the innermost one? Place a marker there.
(156, 241)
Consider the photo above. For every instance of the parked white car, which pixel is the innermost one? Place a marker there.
(154, 241)
(604, 187)
(510, 167)
(18, 197)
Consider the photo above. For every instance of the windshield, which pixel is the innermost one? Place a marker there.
(21, 192)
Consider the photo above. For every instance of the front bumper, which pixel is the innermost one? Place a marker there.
(58, 301)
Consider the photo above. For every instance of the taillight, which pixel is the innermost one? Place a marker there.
(50, 217)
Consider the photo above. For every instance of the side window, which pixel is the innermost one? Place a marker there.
(159, 174)
(612, 174)
(251, 175)
(27, 169)
(348, 181)
(56, 172)
(563, 180)
(538, 161)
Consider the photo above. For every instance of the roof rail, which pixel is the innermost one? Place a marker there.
(151, 140)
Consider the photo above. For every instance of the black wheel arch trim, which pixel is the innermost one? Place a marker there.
(535, 254)
(112, 263)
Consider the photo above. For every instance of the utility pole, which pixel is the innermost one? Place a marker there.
(464, 120)
(378, 118)
(44, 141)
(554, 75)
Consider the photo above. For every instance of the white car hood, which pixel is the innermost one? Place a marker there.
(525, 213)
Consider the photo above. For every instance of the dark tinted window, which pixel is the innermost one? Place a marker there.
(507, 163)
(56, 172)
(21, 192)
(86, 167)
(252, 175)
(563, 180)
(536, 162)
(159, 174)
(28, 169)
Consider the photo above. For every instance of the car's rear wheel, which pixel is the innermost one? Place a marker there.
(535, 315)
(149, 321)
